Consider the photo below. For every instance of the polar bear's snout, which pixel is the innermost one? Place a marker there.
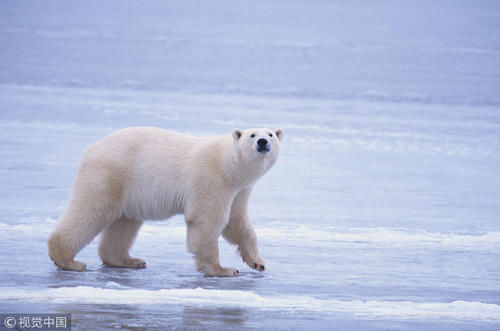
(263, 146)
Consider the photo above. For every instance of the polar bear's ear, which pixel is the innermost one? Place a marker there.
(237, 133)
(279, 133)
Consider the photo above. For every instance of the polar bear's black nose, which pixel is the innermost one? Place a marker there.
(262, 142)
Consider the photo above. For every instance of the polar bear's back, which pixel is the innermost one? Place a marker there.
(130, 148)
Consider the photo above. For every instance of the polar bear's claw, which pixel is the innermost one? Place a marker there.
(228, 272)
(221, 272)
(256, 263)
(259, 267)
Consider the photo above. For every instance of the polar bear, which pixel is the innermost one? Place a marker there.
(146, 173)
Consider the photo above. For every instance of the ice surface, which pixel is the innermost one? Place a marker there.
(382, 212)
(459, 310)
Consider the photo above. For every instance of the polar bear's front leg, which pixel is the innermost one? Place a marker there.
(240, 232)
(203, 243)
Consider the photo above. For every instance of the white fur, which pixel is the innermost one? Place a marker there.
(144, 173)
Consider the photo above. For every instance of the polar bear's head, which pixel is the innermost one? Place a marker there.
(258, 147)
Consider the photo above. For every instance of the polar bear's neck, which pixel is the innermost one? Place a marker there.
(238, 171)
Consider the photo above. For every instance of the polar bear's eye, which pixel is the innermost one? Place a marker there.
(271, 135)
(252, 135)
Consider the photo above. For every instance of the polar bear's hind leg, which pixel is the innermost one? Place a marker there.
(116, 241)
(94, 205)
(77, 227)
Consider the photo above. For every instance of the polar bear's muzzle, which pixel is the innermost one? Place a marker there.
(263, 146)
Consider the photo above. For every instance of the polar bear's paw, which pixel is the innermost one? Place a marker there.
(221, 272)
(256, 263)
(72, 266)
(228, 272)
(259, 267)
(132, 262)
(136, 263)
